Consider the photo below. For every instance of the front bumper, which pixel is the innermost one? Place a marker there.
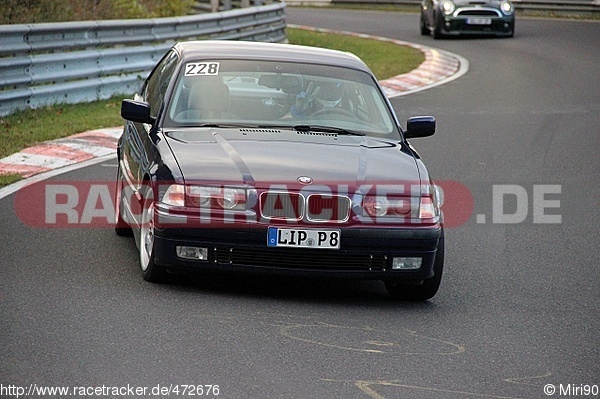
(365, 253)
(459, 26)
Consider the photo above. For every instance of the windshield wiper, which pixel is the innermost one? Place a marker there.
(224, 125)
(327, 129)
(315, 128)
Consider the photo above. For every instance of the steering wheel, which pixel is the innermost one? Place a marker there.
(337, 110)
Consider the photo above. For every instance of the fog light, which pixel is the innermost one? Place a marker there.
(406, 263)
(195, 253)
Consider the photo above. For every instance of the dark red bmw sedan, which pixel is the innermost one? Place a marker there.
(245, 157)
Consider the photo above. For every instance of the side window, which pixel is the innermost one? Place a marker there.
(158, 81)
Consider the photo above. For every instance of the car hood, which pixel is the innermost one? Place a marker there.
(264, 157)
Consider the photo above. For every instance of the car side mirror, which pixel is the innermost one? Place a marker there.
(136, 111)
(420, 126)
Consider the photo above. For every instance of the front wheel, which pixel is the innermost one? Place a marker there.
(424, 291)
(150, 271)
(437, 28)
(122, 228)
(423, 26)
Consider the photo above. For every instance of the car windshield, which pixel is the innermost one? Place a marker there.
(279, 94)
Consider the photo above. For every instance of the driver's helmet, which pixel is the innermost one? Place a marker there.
(330, 94)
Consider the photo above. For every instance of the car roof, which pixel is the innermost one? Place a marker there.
(233, 49)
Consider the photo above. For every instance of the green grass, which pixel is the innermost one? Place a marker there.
(384, 58)
(11, 178)
(26, 128)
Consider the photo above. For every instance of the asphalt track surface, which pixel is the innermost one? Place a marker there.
(517, 312)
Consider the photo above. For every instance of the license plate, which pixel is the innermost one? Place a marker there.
(479, 21)
(304, 238)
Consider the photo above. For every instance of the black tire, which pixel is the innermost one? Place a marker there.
(423, 26)
(122, 228)
(424, 291)
(150, 271)
(437, 28)
(512, 30)
(437, 32)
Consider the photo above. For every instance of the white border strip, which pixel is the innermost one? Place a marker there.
(16, 186)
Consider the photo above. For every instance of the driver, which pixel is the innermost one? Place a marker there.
(315, 98)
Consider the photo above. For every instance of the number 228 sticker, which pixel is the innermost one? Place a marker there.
(201, 68)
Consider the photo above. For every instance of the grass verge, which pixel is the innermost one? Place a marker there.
(26, 128)
(384, 58)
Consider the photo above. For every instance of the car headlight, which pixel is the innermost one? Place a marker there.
(430, 203)
(448, 7)
(428, 208)
(379, 206)
(507, 8)
(226, 198)
(421, 204)
(174, 195)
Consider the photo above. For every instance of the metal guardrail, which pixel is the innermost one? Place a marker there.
(558, 6)
(72, 62)
(225, 5)
(564, 6)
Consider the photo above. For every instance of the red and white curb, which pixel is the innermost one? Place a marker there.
(63, 152)
(438, 68)
(86, 148)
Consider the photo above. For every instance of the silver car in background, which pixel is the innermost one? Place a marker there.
(467, 17)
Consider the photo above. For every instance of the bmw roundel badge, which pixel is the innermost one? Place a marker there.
(305, 180)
